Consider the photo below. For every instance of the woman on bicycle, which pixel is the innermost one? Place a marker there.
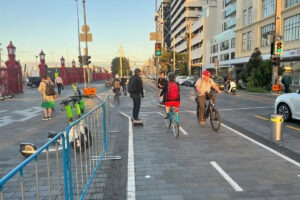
(202, 86)
(171, 94)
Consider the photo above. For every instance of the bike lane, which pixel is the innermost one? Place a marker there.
(202, 164)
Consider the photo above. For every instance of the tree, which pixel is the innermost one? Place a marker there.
(253, 63)
(181, 62)
(115, 66)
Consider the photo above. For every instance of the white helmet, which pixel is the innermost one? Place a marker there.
(117, 76)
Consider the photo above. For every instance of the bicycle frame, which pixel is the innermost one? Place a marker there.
(173, 112)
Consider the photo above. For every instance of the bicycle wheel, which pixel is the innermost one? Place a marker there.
(118, 98)
(175, 127)
(215, 119)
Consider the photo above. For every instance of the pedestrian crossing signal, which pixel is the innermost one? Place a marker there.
(278, 47)
(157, 49)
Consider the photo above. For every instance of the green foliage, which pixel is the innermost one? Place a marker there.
(181, 60)
(261, 76)
(115, 66)
(253, 63)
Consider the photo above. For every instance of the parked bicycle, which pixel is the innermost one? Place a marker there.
(173, 120)
(211, 112)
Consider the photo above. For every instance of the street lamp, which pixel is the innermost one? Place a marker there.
(0, 54)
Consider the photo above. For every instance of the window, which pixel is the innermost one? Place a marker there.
(268, 7)
(244, 40)
(245, 17)
(224, 57)
(290, 3)
(292, 28)
(214, 48)
(232, 55)
(232, 42)
(249, 42)
(250, 15)
(265, 31)
(224, 45)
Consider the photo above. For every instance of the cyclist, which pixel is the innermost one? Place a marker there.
(204, 85)
(123, 83)
(171, 94)
(116, 84)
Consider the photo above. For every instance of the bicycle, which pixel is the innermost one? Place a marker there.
(173, 120)
(211, 112)
(80, 137)
(117, 96)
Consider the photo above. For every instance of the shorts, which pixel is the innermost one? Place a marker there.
(175, 104)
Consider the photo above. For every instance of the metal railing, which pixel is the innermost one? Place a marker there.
(62, 171)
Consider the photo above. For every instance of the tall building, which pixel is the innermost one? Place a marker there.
(188, 33)
(255, 27)
(164, 22)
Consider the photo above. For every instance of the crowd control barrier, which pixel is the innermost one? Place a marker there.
(62, 171)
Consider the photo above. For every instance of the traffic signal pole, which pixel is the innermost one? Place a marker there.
(277, 37)
(86, 44)
(156, 40)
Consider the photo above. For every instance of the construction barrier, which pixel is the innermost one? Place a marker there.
(64, 171)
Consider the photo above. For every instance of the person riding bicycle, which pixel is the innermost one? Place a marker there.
(123, 83)
(171, 94)
(116, 84)
(203, 85)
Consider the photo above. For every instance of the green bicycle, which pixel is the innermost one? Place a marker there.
(173, 121)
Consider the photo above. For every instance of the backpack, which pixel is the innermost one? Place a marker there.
(117, 84)
(173, 91)
(49, 89)
(130, 85)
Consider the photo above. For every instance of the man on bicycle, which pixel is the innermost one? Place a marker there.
(116, 84)
(202, 86)
(171, 94)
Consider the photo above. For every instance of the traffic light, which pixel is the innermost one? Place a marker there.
(278, 47)
(157, 49)
(80, 60)
(87, 60)
(276, 60)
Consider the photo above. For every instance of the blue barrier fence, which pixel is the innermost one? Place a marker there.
(65, 166)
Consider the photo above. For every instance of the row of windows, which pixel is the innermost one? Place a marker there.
(246, 41)
(223, 46)
(223, 57)
(247, 16)
(291, 2)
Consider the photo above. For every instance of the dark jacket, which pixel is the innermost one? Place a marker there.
(135, 85)
(163, 82)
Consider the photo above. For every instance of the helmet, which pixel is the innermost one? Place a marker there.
(117, 76)
(171, 76)
(206, 73)
(137, 70)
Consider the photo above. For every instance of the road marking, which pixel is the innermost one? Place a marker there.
(130, 164)
(233, 184)
(263, 146)
(263, 118)
(292, 127)
(180, 127)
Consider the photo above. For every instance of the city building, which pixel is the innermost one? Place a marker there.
(164, 21)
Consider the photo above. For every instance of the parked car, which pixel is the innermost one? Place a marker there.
(219, 80)
(190, 81)
(179, 77)
(288, 105)
(182, 80)
(33, 81)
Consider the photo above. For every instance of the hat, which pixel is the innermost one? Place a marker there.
(206, 73)
(117, 76)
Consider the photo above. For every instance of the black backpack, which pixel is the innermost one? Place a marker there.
(130, 86)
(49, 91)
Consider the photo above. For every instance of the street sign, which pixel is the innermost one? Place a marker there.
(153, 36)
(88, 35)
(85, 28)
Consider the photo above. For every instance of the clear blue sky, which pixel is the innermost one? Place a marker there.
(51, 26)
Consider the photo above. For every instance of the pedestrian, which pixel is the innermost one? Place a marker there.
(123, 83)
(135, 88)
(59, 84)
(48, 102)
(116, 84)
(161, 84)
(286, 81)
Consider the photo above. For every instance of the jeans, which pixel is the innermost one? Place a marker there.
(59, 86)
(136, 97)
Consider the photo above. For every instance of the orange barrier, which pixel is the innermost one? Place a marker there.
(89, 91)
(276, 87)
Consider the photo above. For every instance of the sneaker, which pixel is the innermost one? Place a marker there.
(45, 118)
(49, 118)
(166, 116)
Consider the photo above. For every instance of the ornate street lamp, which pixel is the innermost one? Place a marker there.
(62, 61)
(42, 56)
(73, 63)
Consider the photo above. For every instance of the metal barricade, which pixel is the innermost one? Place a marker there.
(66, 171)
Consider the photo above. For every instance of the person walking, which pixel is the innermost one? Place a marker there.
(135, 88)
(59, 84)
(48, 102)
(286, 81)
(123, 83)
(162, 82)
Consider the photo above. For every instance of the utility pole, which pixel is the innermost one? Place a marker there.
(156, 40)
(79, 48)
(174, 56)
(190, 47)
(86, 43)
(276, 37)
(121, 69)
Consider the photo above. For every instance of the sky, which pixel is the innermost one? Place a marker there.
(51, 26)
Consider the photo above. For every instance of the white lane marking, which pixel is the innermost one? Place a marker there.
(263, 146)
(180, 127)
(130, 165)
(233, 184)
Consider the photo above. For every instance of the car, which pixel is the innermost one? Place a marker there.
(288, 105)
(219, 81)
(33, 81)
(181, 80)
(179, 77)
(190, 81)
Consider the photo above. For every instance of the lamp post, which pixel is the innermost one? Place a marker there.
(79, 48)
(0, 54)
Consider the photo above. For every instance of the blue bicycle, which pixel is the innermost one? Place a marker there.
(173, 121)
